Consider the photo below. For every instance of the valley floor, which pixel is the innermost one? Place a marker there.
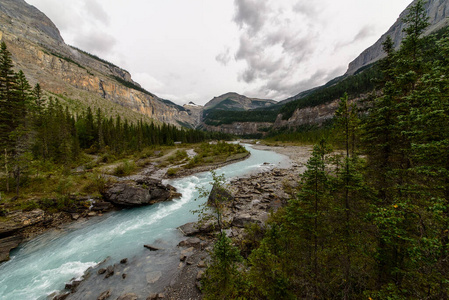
(255, 197)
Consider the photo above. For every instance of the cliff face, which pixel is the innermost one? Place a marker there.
(314, 115)
(40, 52)
(438, 12)
(241, 128)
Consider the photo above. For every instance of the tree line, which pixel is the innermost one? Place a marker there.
(372, 221)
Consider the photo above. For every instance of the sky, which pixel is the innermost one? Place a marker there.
(194, 50)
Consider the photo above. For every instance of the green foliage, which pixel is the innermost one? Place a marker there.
(217, 151)
(374, 227)
(222, 277)
(172, 171)
(125, 168)
(305, 134)
(218, 117)
(353, 85)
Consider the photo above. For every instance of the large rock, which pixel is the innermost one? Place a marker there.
(242, 220)
(7, 244)
(10, 231)
(194, 228)
(219, 194)
(130, 194)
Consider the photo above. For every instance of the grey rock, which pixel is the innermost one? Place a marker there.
(129, 296)
(190, 242)
(152, 297)
(199, 275)
(104, 295)
(243, 219)
(219, 194)
(7, 244)
(151, 247)
(153, 276)
(438, 12)
(109, 271)
(147, 191)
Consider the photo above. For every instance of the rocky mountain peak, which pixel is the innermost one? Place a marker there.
(25, 20)
(234, 101)
(438, 12)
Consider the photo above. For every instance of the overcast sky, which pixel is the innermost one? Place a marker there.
(193, 50)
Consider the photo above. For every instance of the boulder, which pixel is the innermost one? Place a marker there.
(219, 194)
(109, 271)
(243, 219)
(128, 297)
(190, 242)
(72, 285)
(143, 192)
(104, 295)
(101, 206)
(7, 244)
(124, 194)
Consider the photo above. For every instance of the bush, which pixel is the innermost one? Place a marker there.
(172, 171)
(125, 168)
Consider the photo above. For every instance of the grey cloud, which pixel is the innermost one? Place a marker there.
(365, 32)
(224, 57)
(250, 13)
(282, 87)
(95, 42)
(274, 49)
(259, 64)
(306, 7)
(96, 11)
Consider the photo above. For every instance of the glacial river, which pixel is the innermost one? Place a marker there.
(44, 264)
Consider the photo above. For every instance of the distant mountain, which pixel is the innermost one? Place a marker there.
(75, 76)
(236, 102)
(438, 12)
(318, 104)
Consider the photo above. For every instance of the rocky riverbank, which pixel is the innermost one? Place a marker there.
(179, 269)
(144, 188)
(182, 266)
(254, 197)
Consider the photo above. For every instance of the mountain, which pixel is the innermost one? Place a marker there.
(236, 102)
(318, 105)
(76, 77)
(438, 13)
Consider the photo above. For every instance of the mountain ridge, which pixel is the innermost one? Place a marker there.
(241, 102)
(38, 49)
(438, 13)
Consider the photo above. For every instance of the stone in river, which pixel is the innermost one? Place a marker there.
(153, 276)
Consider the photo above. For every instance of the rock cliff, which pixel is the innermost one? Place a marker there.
(241, 128)
(40, 52)
(438, 12)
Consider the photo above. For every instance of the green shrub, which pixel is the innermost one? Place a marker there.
(172, 171)
(124, 168)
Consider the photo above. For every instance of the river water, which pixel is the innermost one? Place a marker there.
(44, 264)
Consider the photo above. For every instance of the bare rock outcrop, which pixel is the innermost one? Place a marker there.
(144, 192)
(438, 13)
(11, 231)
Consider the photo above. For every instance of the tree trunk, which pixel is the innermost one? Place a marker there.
(7, 171)
(17, 175)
